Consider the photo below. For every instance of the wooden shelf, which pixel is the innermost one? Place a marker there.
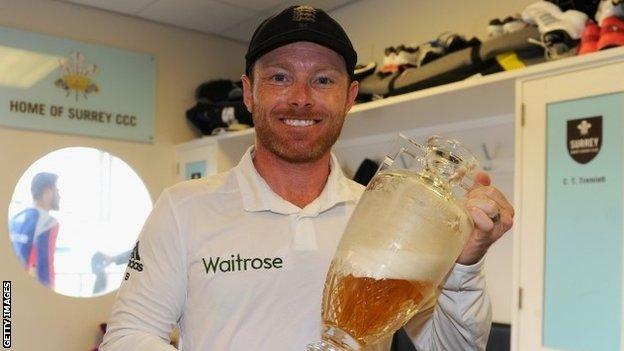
(470, 99)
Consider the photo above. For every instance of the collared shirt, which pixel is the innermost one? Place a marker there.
(240, 268)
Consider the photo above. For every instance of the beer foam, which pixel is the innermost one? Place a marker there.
(386, 264)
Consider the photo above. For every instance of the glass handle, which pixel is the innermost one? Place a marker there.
(386, 163)
(467, 182)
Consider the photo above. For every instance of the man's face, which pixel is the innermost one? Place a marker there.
(53, 197)
(299, 97)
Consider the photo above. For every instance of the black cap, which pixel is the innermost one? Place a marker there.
(300, 23)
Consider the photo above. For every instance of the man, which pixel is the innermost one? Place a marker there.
(33, 231)
(99, 262)
(239, 259)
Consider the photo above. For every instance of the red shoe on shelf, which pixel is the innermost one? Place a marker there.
(589, 40)
(611, 33)
(608, 8)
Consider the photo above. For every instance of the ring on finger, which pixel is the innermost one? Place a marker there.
(496, 217)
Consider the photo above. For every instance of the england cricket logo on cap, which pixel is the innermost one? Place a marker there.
(304, 14)
(584, 138)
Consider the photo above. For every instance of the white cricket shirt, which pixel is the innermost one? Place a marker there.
(239, 268)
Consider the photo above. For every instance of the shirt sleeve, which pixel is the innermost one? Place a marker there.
(150, 300)
(460, 318)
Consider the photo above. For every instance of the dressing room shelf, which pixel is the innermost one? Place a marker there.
(475, 98)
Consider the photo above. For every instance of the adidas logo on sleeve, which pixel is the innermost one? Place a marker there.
(135, 261)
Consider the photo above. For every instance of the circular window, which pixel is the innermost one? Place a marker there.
(74, 217)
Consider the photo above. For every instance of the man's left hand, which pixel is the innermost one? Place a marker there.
(492, 215)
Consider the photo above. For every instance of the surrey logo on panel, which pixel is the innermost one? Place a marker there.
(77, 75)
(584, 138)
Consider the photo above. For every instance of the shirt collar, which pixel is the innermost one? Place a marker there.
(258, 196)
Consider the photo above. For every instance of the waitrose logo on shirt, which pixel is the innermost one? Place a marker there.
(236, 263)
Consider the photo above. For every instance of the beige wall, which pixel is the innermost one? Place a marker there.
(43, 320)
(375, 24)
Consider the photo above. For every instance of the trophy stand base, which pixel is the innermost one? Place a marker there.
(334, 339)
(322, 346)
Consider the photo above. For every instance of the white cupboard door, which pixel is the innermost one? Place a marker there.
(542, 320)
